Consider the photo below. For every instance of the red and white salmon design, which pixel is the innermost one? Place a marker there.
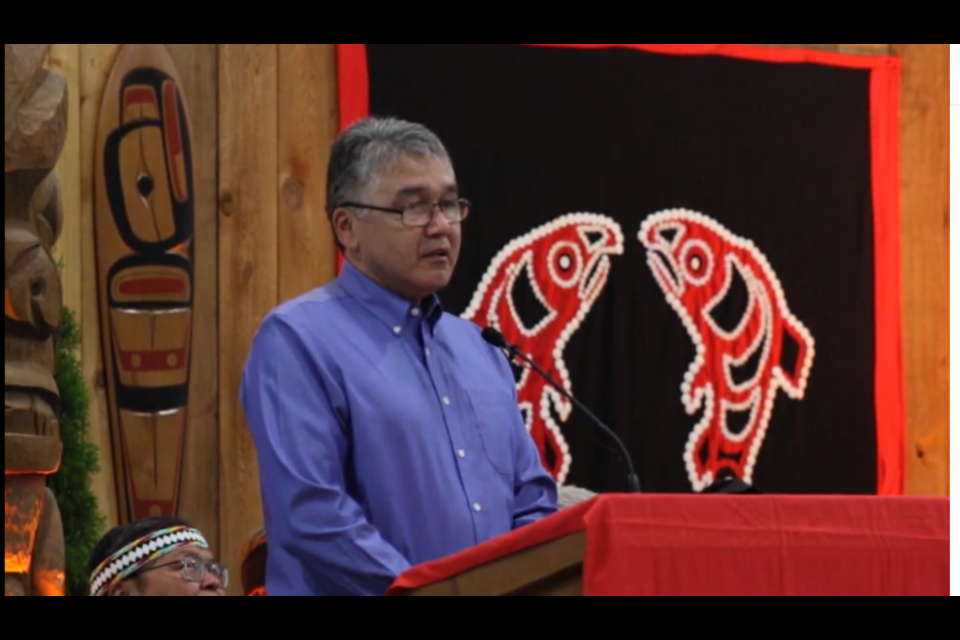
(566, 263)
(748, 343)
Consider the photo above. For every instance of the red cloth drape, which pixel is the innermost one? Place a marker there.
(738, 545)
(767, 545)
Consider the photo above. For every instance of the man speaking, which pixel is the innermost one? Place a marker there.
(387, 431)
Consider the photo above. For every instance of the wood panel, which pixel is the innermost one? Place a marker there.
(96, 61)
(65, 60)
(248, 266)
(307, 122)
(925, 193)
(551, 568)
(199, 495)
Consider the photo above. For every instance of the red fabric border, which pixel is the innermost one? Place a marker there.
(890, 392)
(354, 103)
(746, 52)
(353, 83)
(353, 92)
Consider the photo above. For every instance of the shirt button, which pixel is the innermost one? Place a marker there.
(415, 311)
(477, 507)
(397, 330)
(462, 453)
(428, 352)
(446, 401)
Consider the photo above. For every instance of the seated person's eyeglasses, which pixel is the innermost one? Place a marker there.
(419, 214)
(195, 570)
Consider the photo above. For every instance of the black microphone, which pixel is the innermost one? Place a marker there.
(495, 338)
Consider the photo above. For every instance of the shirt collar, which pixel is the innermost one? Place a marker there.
(387, 306)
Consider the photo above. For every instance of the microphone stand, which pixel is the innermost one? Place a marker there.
(633, 482)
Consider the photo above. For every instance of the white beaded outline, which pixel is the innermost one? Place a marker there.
(584, 222)
(693, 398)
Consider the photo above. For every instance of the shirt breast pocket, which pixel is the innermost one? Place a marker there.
(495, 418)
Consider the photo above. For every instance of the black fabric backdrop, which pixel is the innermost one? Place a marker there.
(778, 153)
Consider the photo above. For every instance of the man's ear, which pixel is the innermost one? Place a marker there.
(344, 225)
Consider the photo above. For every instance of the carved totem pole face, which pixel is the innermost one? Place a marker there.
(35, 129)
(35, 121)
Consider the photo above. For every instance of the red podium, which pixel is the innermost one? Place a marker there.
(646, 545)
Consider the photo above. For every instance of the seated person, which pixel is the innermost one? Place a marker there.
(155, 557)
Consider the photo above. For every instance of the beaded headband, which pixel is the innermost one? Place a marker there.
(128, 560)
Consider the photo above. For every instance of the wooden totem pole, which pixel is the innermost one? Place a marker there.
(144, 238)
(35, 129)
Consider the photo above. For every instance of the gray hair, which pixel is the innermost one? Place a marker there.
(367, 146)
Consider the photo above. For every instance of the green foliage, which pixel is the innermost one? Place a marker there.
(72, 485)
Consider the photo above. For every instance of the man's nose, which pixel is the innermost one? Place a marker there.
(211, 581)
(439, 225)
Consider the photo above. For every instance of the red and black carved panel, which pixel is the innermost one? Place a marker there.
(145, 248)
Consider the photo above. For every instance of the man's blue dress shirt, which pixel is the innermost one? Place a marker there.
(387, 435)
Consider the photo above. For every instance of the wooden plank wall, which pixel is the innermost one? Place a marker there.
(924, 183)
(277, 120)
(263, 118)
(248, 262)
(96, 60)
(197, 67)
(307, 124)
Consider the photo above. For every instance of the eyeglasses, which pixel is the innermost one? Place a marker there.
(419, 214)
(195, 570)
